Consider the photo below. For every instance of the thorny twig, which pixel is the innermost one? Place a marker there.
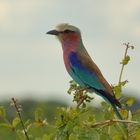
(18, 110)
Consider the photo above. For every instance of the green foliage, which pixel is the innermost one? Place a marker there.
(80, 122)
(15, 122)
(80, 95)
(2, 111)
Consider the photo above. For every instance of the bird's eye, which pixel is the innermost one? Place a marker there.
(68, 31)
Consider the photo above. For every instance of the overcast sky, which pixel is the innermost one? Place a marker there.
(31, 62)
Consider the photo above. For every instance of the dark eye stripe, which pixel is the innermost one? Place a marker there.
(68, 31)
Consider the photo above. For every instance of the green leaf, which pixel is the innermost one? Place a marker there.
(117, 90)
(117, 137)
(6, 125)
(15, 122)
(104, 136)
(38, 138)
(39, 113)
(46, 137)
(21, 135)
(124, 113)
(125, 60)
(123, 83)
(137, 137)
(73, 137)
(91, 118)
(27, 123)
(130, 101)
(129, 115)
(2, 111)
(90, 134)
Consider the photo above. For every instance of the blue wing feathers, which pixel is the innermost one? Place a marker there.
(85, 75)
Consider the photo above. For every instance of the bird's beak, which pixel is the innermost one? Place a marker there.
(53, 32)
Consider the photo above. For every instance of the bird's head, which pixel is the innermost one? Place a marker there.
(67, 34)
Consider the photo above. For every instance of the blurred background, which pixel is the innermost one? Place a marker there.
(31, 63)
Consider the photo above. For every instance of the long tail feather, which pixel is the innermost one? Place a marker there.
(118, 114)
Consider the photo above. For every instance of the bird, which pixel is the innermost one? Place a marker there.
(80, 65)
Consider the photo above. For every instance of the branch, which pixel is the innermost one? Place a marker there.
(18, 109)
(125, 54)
(108, 122)
(81, 101)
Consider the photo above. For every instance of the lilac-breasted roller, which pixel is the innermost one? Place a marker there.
(80, 66)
